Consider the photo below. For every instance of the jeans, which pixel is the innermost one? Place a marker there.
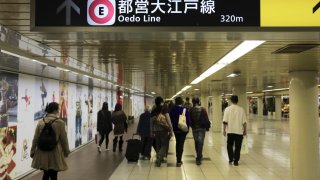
(234, 139)
(52, 174)
(146, 143)
(102, 134)
(162, 143)
(199, 135)
(180, 138)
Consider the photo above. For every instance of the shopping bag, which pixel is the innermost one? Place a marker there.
(96, 138)
(182, 124)
(244, 146)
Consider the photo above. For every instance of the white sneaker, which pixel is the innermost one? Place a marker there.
(99, 149)
(107, 149)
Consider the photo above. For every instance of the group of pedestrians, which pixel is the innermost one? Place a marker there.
(155, 128)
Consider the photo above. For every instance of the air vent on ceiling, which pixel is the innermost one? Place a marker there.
(295, 48)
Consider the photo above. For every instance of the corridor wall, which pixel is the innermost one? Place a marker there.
(23, 99)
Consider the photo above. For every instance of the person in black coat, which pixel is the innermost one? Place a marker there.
(144, 130)
(104, 125)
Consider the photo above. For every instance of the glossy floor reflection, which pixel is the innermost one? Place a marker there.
(268, 157)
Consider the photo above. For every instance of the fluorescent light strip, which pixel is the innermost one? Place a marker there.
(280, 89)
(62, 69)
(233, 55)
(15, 55)
(186, 87)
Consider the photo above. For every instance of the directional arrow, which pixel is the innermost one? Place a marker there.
(316, 7)
(68, 4)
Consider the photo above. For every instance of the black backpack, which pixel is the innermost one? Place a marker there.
(47, 139)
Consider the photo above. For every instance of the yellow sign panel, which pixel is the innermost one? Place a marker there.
(290, 13)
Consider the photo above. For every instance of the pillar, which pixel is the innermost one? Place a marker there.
(304, 125)
(240, 91)
(278, 107)
(217, 111)
(260, 106)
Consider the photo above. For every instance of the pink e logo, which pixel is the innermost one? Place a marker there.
(101, 12)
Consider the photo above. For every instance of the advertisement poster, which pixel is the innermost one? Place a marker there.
(8, 137)
(84, 107)
(26, 104)
(8, 98)
(89, 106)
(71, 115)
(63, 101)
(78, 123)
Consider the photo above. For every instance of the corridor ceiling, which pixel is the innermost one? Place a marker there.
(171, 58)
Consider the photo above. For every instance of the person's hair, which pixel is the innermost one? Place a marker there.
(196, 101)
(105, 106)
(165, 108)
(178, 101)
(52, 107)
(187, 99)
(158, 101)
(158, 110)
(234, 99)
(147, 108)
(118, 107)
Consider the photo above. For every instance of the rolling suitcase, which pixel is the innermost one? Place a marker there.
(133, 149)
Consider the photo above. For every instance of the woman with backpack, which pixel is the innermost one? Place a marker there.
(48, 156)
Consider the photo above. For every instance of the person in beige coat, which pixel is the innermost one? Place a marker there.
(51, 161)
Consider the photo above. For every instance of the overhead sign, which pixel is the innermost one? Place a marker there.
(146, 13)
(290, 13)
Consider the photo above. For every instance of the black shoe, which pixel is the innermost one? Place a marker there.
(179, 164)
(198, 163)
(158, 162)
(236, 163)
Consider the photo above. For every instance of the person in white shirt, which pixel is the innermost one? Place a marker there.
(235, 122)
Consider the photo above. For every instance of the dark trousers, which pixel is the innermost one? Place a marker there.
(115, 142)
(102, 135)
(146, 143)
(234, 140)
(180, 138)
(52, 174)
(162, 143)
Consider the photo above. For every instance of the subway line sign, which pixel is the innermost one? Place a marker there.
(175, 13)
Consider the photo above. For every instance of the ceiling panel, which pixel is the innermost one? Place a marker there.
(169, 59)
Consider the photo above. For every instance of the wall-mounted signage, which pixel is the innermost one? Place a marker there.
(290, 13)
(176, 13)
(147, 13)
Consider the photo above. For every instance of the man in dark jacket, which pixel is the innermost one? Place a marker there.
(104, 125)
(144, 130)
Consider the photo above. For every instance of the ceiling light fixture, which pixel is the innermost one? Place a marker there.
(232, 75)
(280, 89)
(196, 89)
(236, 53)
(153, 93)
(269, 86)
(249, 92)
(62, 69)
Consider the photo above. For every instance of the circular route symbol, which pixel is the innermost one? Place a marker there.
(102, 3)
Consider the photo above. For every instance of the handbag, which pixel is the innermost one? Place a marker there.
(182, 124)
(204, 120)
(244, 146)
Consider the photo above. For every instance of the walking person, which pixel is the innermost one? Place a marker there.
(179, 134)
(235, 127)
(104, 125)
(199, 124)
(51, 161)
(119, 119)
(144, 130)
(161, 130)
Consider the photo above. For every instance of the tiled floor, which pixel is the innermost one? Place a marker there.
(268, 158)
